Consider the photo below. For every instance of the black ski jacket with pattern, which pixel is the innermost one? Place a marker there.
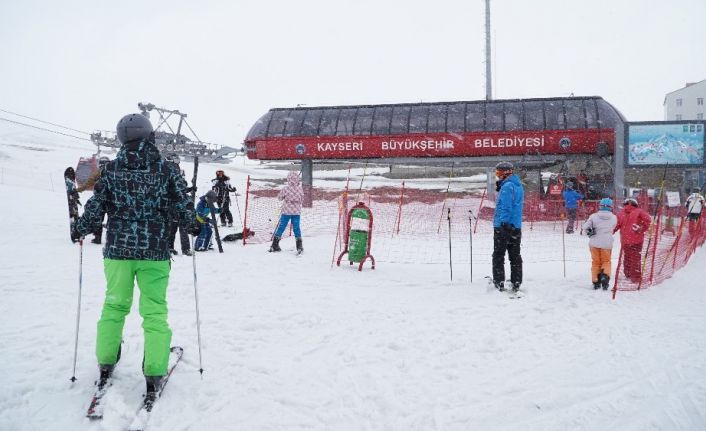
(141, 193)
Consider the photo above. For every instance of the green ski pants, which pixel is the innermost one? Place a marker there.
(152, 279)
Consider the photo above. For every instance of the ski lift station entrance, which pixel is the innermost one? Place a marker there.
(532, 133)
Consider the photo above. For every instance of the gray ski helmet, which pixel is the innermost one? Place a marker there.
(211, 195)
(504, 166)
(133, 128)
(630, 201)
(570, 185)
(503, 170)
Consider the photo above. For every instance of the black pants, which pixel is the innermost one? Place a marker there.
(510, 242)
(571, 219)
(225, 212)
(183, 236)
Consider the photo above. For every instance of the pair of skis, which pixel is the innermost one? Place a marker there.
(139, 423)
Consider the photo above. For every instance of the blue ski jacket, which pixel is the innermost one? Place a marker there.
(509, 203)
(571, 198)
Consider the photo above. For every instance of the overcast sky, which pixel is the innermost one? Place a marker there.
(84, 64)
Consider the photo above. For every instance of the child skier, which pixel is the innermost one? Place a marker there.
(633, 222)
(599, 228)
(292, 196)
(203, 216)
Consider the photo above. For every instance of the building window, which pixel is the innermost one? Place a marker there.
(699, 100)
(678, 117)
(699, 116)
(678, 102)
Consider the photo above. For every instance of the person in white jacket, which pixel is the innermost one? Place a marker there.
(599, 228)
(694, 205)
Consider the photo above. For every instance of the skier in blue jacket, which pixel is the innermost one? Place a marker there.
(507, 226)
(571, 203)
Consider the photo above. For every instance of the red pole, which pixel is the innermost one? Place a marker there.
(617, 272)
(658, 225)
(399, 210)
(482, 198)
(247, 200)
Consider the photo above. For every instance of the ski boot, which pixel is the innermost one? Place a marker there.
(515, 286)
(596, 285)
(230, 224)
(275, 244)
(187, 253)
(154, 390)
(106, 372)
(605, 281)
(173, 252)
(500, 285)
(300, 248)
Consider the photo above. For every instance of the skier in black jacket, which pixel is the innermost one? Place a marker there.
(221, 185)
(138, 190)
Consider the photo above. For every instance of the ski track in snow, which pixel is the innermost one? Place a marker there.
(292, 344)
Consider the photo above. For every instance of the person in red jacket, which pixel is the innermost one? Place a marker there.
(633, 222)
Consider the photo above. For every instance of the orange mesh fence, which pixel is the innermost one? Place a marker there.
(670, 243)
(411, 226)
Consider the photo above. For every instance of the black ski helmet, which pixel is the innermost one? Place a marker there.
(133, 128)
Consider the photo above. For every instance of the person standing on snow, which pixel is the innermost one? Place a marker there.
(599, 228)
(174, 225)
(292, 196)
(633, 222)
(89, 184)
(694, 205)
(221, 185)
(507, 226)
(137, 191)
(571, 198)
(203, 216)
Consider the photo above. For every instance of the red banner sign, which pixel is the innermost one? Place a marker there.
(583, 141)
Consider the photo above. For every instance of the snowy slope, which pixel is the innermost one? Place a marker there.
(292, 344)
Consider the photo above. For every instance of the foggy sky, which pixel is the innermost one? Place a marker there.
(84, 64)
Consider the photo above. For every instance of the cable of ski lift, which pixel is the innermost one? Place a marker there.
(42, 121)
(44, 129)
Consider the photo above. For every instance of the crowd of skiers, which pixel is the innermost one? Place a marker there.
(146, 200)
(631, 221)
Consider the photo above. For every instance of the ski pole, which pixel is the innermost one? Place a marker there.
(237, 205)
(448, 216)
(470, 239)
(563, 244)
(78, 307)
(196, 298)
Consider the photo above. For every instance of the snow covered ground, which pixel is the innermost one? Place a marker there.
(293, 344)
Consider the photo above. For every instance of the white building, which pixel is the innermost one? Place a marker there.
(686, 103)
